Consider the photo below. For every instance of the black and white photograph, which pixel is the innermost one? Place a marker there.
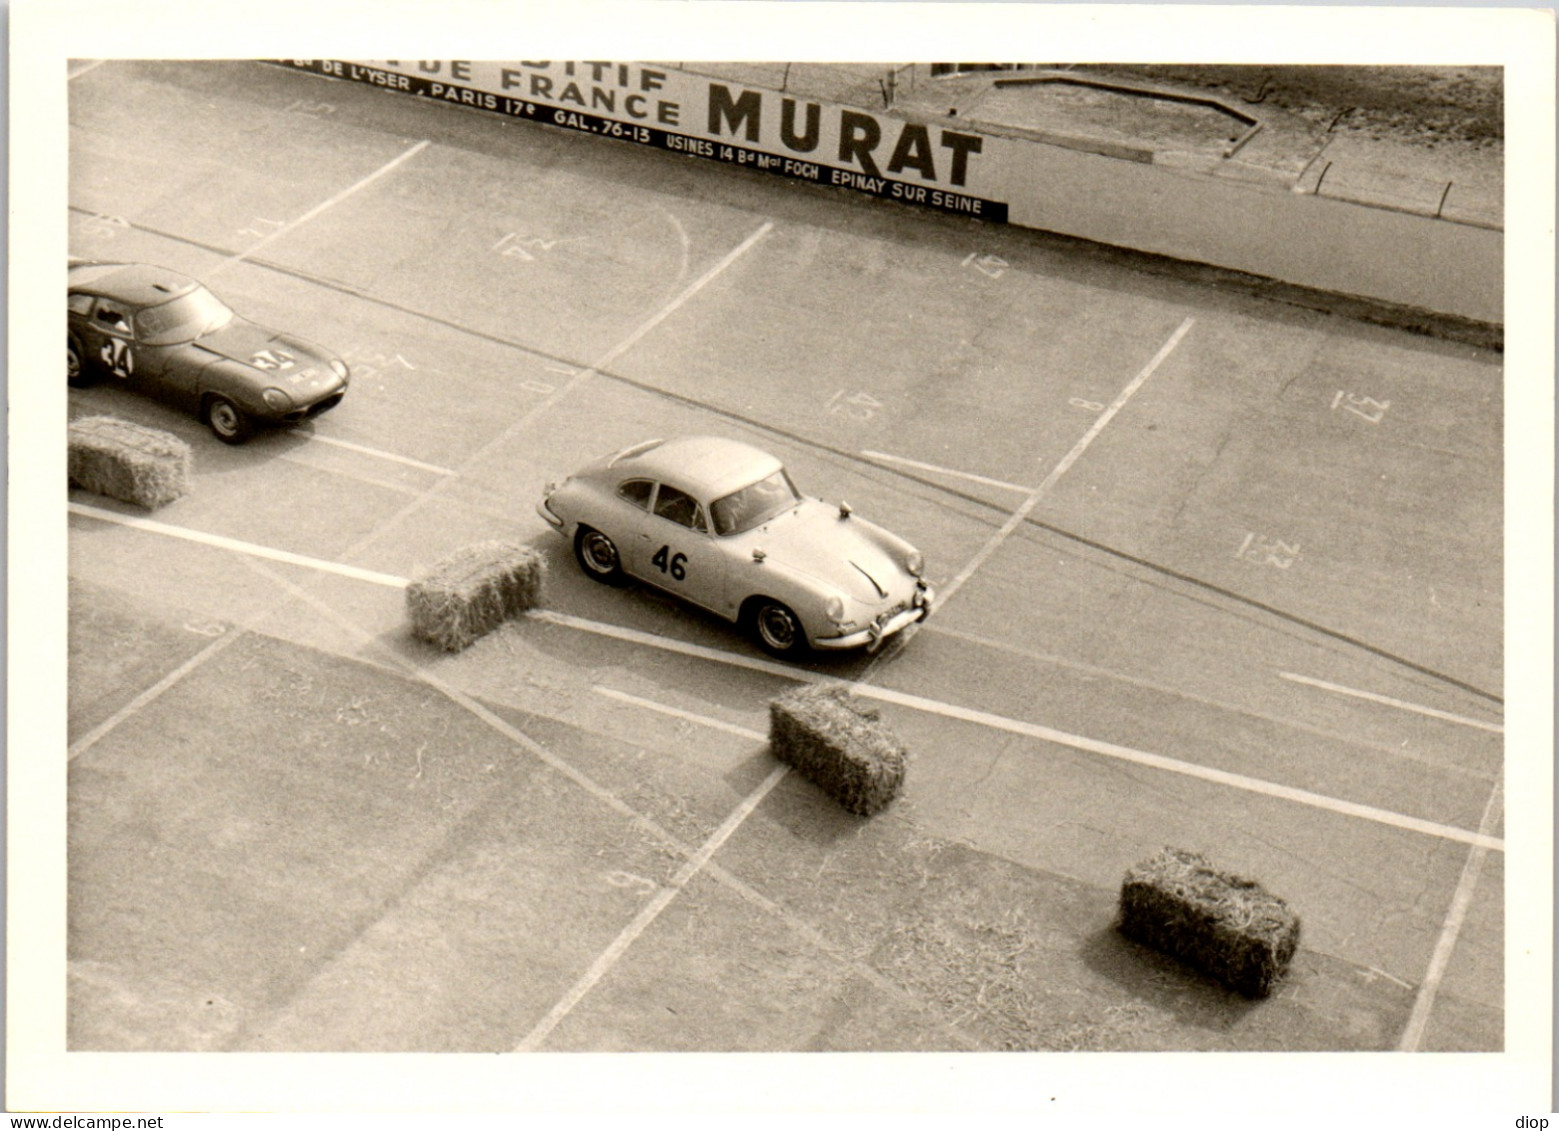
(819, 576)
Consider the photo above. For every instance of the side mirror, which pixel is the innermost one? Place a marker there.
(758, 555)
(844, 510)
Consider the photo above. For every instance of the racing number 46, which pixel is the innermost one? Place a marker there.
(675, 564)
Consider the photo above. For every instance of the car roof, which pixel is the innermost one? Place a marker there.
(138, 284)
(708, 466)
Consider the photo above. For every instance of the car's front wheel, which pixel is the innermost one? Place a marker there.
(778, 629)
(597, 555)
(75, 364)
(227, 421)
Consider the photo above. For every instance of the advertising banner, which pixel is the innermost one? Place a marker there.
(928, 164)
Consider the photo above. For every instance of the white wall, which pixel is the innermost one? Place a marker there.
(1313, 241)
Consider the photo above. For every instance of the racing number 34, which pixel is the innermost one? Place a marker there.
(667, 562)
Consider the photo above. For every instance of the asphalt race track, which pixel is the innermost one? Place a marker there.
(1214, 573)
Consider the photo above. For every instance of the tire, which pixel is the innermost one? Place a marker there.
(227, 421)
(597, 556)
(77, 370)
(777, 629)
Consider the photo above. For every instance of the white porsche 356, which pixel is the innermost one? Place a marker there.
(720, 524)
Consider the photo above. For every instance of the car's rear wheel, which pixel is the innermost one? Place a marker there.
(227, 421)
(75, 364)
(778, 629)
(597, 555)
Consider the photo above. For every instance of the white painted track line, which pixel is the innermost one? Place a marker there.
(915, 702)
(318, 208)
(1018, 516)
(642, 329)
(1401, 705)
(579, 377)
(87, 740)
(803, 928)
(1185, 769)
(1044, 733)
(650, 912)
(1113, 676)
(685, 716)
(236, 546)
(1423, 1003)
(380, 454)
(884, 457)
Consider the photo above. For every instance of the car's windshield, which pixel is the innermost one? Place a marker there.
(751, 506)
(182, 320)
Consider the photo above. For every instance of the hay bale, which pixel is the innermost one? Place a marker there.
(474, 590)
(125, 461)
(839, 744)
(1224, 925)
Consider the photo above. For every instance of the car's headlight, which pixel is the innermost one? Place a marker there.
(339, 367)
(277, 399)
(833, 609)
(915, 563)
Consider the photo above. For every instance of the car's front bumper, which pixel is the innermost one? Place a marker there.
(871, 637)
(306, 412)
(552, 519)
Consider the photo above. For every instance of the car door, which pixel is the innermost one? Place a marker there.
(110, 340)
(675, 550)
(624, 518)
(107, 340)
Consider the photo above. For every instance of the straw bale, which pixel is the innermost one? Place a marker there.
(841, 745)
(126, 461)
(471, 592)
(1227, 926)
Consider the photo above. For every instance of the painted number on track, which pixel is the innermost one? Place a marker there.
(311, 109)
(368, 363)
(259, 222)
(861, 406)
(990, 265)
(1367, 407)
(1268, 551)
(104, 227)
(515, 246)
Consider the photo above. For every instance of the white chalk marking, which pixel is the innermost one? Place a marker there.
(239, 547)
(378, 454)
(886, 458)
(1018, 516)
(1463, 720)
(1418, 1021)
(677, 713)
(318, 208)
(92, 66)
(914, 702)
(651, 911)
(85, 741)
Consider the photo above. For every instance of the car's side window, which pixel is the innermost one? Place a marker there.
(679, 507)
(111, 318)
(80, 304)
(637, 492)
